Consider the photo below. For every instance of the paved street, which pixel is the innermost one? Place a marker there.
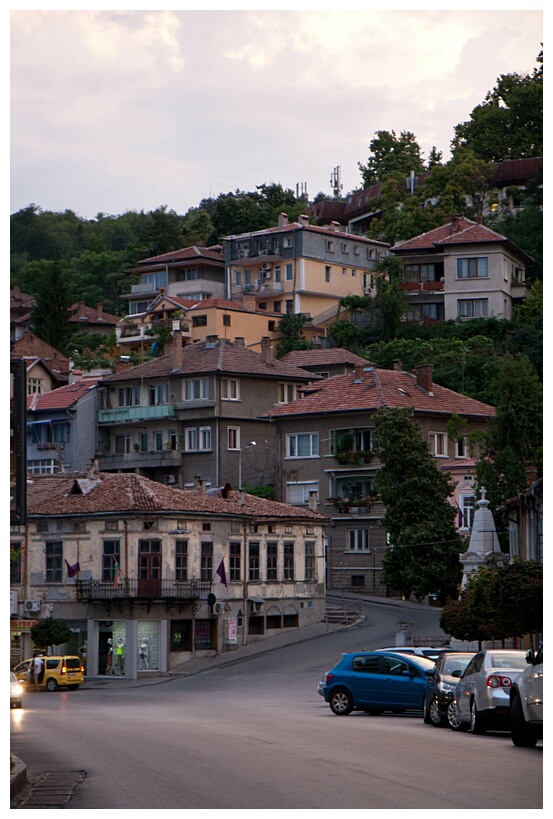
(256, 735)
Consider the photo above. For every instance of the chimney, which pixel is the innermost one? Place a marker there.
(423, 374)
(176, 342)
(531, 473)
(303, 220)
(99, 309)
(398, 366)
(123, 364)
(249, 302)
(198, 483)
(239, 341)
(266, 350)
(335, 226)
(282, 220)
(313, 499)
(454, 224)
(358, 373)
(92, 471)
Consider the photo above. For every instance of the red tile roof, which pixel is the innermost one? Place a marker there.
(77, 494)
(82, 313)
(208, 357)
(316, 358)
(62, 398)
(379, 389)
(194, 252)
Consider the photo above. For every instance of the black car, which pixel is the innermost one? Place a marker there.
(440, 686)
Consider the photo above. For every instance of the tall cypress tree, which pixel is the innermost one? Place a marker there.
(51, 314)
(424, 543)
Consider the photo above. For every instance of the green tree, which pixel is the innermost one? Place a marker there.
(51, 314)
(390, 153)
(513, 440)
(291, 326)
(50, 632)
(509, 123)
(424, 544)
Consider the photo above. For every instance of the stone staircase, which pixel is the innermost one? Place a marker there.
(342, 615)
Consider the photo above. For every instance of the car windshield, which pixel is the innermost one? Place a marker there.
(421, 662)
(514, 660)
(458, 662)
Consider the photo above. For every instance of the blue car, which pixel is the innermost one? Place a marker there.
(377, 681)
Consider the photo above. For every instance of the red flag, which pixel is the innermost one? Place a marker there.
(116, 574)
(222, 574)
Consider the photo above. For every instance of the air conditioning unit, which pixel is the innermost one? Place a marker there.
(368, 290)
(31, 606)
(266, 266)
(218, 608)
(170, 479)
(265, 274)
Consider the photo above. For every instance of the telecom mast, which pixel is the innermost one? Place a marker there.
(335, 181)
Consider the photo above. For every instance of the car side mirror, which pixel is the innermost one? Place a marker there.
(457, 673)
(530, 657)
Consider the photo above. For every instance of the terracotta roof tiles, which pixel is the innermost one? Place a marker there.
(62, 398)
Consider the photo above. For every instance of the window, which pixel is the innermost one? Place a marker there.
(199, 321)
(354, 273)
(328, 273)
(351, 441)
(34, 386)
(230, 389)
(356, 250)
(233, 437)
(344, 271)
(253, 560)
(289, 307)
(309, 560)
(302, 445)
(272, 560)
(466, 511)
(330, 246)
(158, 394)
(271, 326)
(111, 525)
(357, 581)
(238, 277)
(129, 396)
(54, 560)
(298, 493)
(278, 273)
(235, 560)
(262, 305)
(226, 320)
(472, 308)
(196, 389)
(289, 272)
(286, 392)
(61, 433)
(122, 444)
(288, 560)
(158, 441)
(15, 565)
(345, 247)
(205, 438)
(136, 307)
(277, 307)
(438, 444)
(358, 540)
(111, 554)
(462, 448)
(476, 268)
(191, 439)
(424, 312)
(143, 442)
(287, 241)
(419, 273)
(181, 560)
(206, 566)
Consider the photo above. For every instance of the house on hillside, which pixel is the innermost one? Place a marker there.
(193, 273)
(92, 319)
(461, 270)
(326, 441)
(56, 365)
(21, 310)
(301, 268)
(61, 429)
(165, 573)
(325, 362)
(195, 412)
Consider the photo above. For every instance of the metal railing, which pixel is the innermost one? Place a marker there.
(89, 591)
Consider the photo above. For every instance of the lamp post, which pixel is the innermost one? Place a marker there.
(249, 446)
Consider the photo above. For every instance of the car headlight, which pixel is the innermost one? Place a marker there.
(446, 687)
(17, 690)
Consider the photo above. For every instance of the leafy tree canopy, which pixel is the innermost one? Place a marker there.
(390, 153)
(50, 632)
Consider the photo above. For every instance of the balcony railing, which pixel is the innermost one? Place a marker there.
(409, 286)
(90, 591)
(120, 414)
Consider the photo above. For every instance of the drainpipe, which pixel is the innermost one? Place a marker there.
(245, 589)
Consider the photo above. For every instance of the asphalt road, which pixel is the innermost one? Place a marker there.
(256, 735)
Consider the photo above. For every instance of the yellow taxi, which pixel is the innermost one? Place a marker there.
(59, 671)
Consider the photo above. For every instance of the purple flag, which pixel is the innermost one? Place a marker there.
(72, 570)
(222, 574)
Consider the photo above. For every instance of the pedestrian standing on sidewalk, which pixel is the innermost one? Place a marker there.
(37, 666)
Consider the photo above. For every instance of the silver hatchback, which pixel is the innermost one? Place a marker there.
(482, 694)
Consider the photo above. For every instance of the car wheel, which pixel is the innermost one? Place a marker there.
(522, 734)
(51, 684)
(425, 713)
(453, 719)
(434, 714)
(477, 721)
(341, 702)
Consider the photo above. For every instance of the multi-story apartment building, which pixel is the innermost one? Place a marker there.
(461, 270)
(195, 411)
(190, 273)
(167, 574)
(300, 268)
(326, 440)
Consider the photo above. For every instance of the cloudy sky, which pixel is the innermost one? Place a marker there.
(116, 110)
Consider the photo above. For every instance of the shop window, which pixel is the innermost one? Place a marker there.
(181, 635)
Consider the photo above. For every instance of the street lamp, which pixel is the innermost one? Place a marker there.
(249, 446)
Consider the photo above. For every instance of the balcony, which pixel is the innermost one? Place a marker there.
(132, 590)
(126, 414)
(422, 286)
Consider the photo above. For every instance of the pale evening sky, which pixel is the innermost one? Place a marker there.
(115, 110)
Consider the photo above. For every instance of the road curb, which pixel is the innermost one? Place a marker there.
(18, 776)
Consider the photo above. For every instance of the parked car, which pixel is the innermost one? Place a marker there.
(16, 692)
(441, 685)
(375, 681)
(482, 694)
(61, 671)
(432, 652)
(526, 697)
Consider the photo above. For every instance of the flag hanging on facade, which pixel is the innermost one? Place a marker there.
(72, 570)
(222, 574)
(116, 574)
